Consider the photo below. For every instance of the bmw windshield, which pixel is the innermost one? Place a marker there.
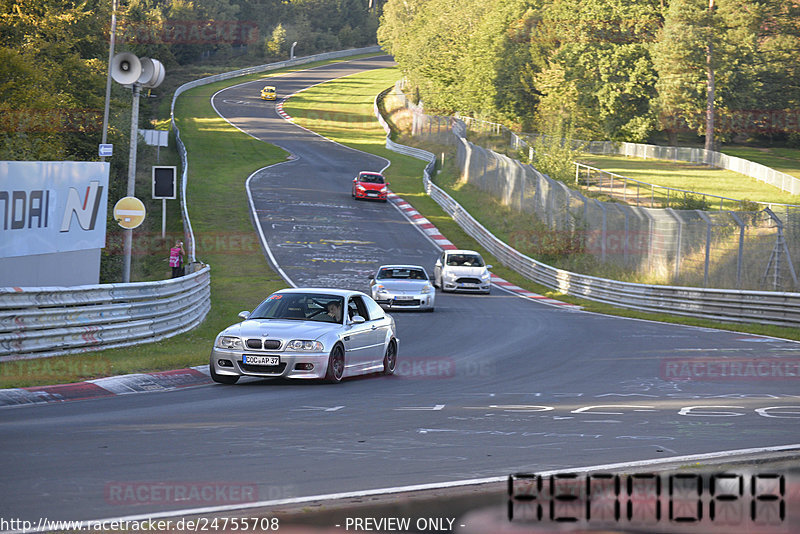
(300, 307)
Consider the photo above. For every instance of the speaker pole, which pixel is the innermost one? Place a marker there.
(126, 265)
(108, 76)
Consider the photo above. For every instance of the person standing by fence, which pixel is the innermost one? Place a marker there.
(176, 259)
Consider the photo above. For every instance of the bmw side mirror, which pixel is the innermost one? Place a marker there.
(357, 319)
(244, 315)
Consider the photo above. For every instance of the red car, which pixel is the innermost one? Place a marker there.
(370, 185)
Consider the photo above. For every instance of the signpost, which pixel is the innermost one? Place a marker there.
(129, 212)
(106, 150)
(164, 187)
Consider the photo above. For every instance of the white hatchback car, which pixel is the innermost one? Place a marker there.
(462, 270)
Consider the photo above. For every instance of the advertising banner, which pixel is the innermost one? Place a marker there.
(52, 206)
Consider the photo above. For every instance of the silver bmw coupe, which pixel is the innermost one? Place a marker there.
(310, 333)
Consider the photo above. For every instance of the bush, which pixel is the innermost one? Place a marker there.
(691, 202)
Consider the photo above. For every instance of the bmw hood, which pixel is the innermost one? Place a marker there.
(279, 328)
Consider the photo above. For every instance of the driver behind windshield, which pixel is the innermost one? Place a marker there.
(335, 311)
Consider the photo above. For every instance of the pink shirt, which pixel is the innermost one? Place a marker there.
(175, 256)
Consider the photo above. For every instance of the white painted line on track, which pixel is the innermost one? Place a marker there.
(433, 486)
(261, 236)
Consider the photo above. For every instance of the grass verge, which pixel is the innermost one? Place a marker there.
(220, 160)
(700, 178)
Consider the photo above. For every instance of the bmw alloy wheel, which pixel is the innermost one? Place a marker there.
(390, 359)
(335, 365)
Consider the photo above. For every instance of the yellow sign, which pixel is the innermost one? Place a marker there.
(129, 212)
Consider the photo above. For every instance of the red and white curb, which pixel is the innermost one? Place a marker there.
(106, 387)
(430, 230)
(281, 112)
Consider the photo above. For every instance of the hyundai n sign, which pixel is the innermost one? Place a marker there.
(52, 206)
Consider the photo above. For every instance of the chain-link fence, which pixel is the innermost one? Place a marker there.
(723, 249)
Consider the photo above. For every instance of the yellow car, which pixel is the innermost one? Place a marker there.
(268, 93)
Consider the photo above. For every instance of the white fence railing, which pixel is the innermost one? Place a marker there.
(52, 321)
(764, 307)
(762, 173)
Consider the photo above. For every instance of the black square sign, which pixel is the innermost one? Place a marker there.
(164, 182)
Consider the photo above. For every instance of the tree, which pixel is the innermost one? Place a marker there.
(706, 62)
(51, 93)
(276, 45)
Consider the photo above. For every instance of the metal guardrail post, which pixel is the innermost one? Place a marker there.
(740, 255)
(708, 246)
(679, 244)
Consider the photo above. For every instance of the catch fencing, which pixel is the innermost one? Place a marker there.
(765, 307)
(724, 249)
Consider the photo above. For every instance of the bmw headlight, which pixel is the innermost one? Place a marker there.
(229, 342)
(427, 289)
(304, 345)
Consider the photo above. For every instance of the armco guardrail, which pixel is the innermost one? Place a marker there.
(41, 322)
(227, 76)
(763, 307)
(52, 321)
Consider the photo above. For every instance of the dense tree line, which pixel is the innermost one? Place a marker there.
(607, 69)
(54, 56)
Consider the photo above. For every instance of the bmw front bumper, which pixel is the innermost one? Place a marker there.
(292, 364)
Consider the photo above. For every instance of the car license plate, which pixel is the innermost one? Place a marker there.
(250, 359)
(465, 284)
(372, 194)
(403, 297)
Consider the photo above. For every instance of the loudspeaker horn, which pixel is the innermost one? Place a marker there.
(126, 68)
(152, 73)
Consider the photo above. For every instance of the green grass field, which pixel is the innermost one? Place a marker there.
(240, 275)
(702, 179)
